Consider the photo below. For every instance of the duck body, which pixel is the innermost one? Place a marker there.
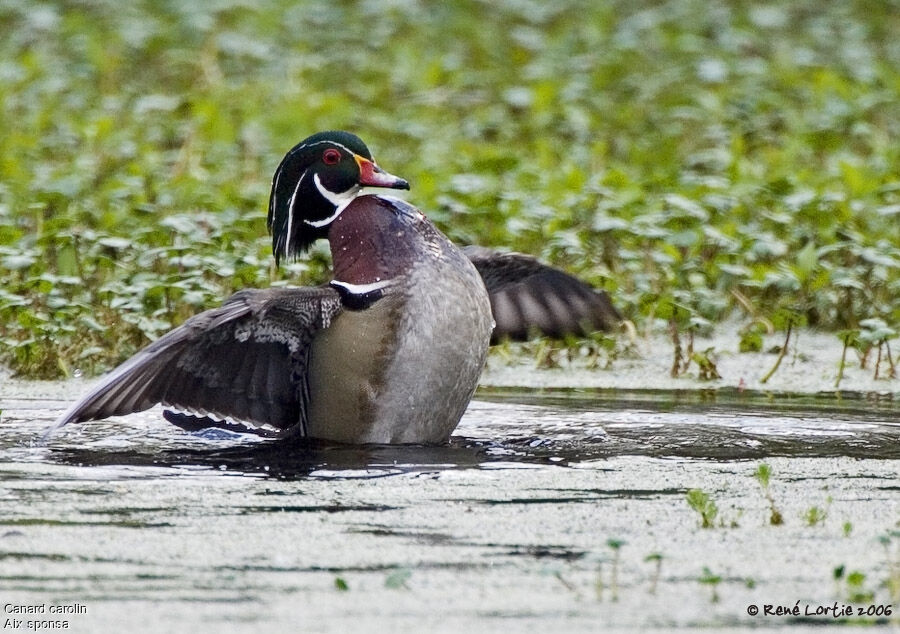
(390, 351)
(384, 372)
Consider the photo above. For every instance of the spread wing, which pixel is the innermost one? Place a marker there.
(246, 360)
(528, 296)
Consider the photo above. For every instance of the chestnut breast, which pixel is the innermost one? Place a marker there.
(376, 239)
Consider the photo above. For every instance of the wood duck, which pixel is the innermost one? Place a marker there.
(390, 351)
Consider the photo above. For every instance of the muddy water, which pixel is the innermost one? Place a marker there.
(563, 510)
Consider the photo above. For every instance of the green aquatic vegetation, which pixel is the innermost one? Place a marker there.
(853, 585)
(745, 162)
(711, 580)
(656, 559)
(856, 588)
(838, 575)
(616, 546)
(706, 365)
(763, 475)
(683, 319)
(704, 505)
(599, 585)
(847, 528)
(875, 333)
(679, 364)
(597, 350)
(341, 584)
(815, 515)
(751, 336)
(785, 320)
(677, 317)
(548, 355)
(601, 350)
(850, 338)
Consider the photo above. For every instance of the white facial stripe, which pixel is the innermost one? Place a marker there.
(362, 289)
(290, 219)
(339, 200)
(306, 145)
(274, 204)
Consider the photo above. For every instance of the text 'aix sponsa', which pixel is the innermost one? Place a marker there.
(389, 351)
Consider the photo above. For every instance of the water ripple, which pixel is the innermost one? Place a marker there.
(501, 430)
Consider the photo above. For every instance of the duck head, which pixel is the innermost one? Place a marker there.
(315, 181)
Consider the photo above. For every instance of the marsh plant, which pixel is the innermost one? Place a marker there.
(656, 560)
(704, 505)
(876, 334)
(712, 580)
(598, 350)
(816, 515)
(856, 591)
(704, 170)
(616, 546)
(763, 475)
(852, 586)
(706, 365)
(683, 319)
(850, 338)
(787, 320)
(751, 335)
(873, 335)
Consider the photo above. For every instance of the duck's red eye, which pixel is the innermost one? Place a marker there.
(331, 157)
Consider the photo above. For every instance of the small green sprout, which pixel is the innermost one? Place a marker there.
(815, 515)
(763, 475)
(656, 558)
(700, 501)
(712, 580)
(706, 364)
(616, 545)
(856, 591)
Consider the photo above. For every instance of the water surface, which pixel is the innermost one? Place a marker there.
(548, 508)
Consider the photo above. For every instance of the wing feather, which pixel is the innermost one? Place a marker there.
(246, 360)
(528, 296)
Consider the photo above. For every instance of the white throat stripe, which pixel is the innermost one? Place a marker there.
(340, 201)
(362, 289)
